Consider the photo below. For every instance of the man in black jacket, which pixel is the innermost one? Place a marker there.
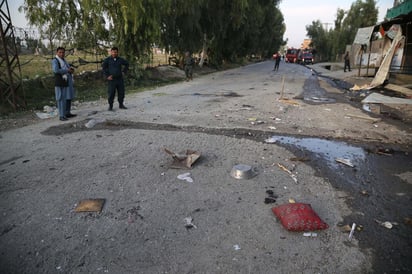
(113, 69)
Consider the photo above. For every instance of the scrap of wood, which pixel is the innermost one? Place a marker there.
(400, 89)
(373, 120)
(293, 176)
(283, 87)
(284, 168)
(383, 70)
(90, 205)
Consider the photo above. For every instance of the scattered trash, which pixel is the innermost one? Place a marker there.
(292, 201)
(310, 234)
(346, 228)
(92, 122)
(386, 224)
(90, 205)
(352, 231)
(271, 197)
(407, 221)
(299, 217)
(48, 112)
(189, 223)
(364, 193)
(252, 119)
(185, 177)
(271, 140)
(344, 161)
(357, 88)
(258, 122)
(373, 120)
(242, 171)
(293, 176)
(236, 247)
(271, 127)
(184, 159)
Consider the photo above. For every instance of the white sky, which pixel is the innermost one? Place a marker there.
(297, 14)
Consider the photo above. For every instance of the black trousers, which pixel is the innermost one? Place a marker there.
(347, 65)
(113, 85)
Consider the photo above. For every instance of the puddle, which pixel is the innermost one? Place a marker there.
(325, 149)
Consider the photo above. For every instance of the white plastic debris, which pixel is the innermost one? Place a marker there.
(189, 222)
(92, 122)
(236, 247)
(310, 234)
(352, 231)
(185, 177)
(271, 140)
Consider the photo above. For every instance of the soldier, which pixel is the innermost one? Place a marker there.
(188, 62)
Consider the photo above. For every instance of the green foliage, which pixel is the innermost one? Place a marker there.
(233, 28)
(330, 44)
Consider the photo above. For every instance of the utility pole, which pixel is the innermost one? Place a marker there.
(11, 88)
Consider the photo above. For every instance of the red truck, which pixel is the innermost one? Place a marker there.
(292, 55)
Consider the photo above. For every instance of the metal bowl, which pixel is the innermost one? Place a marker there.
(242, 172)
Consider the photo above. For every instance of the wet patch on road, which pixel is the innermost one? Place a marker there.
(313, 93)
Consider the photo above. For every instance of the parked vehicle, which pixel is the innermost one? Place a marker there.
(307, 58)
(292, 55)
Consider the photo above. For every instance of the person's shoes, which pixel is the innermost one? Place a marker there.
(122, 107)
(110, 108)
(63, 119)
(70, 115)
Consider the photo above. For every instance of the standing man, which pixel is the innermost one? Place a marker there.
(347, 62)
(277, 61)
(63, 84)
(188, 62)
(113, 69)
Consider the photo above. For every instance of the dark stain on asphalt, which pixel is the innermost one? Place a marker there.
(375, 172)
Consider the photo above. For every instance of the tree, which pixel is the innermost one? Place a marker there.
(333, 42)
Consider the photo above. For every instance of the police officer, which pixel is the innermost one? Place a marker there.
(113, 69)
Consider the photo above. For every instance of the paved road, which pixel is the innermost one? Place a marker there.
(47, 168)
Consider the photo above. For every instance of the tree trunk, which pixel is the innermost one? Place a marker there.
(202, 55)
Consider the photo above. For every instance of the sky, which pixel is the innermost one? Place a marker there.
(297, 15)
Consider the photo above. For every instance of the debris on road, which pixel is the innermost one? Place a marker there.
(189, 223)
(299, 217)
(242, 171)
(92, 122)
(373, 120)
(345, 162)
(271, 197)
(352, 230)
(185, 177)
(90, 205)
(236, 247)
(293, 176)
(184, 159)
(48, 112)
(258, 122)
(310, 234)
(386, 224)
